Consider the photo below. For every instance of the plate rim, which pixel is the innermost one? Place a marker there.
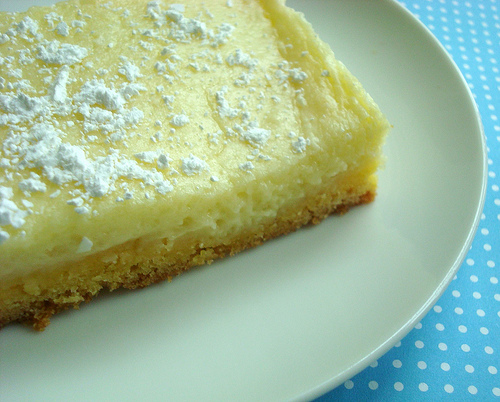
(382, 349)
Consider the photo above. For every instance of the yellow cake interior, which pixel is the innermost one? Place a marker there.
(142, 138)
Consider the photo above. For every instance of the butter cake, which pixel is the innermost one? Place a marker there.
(142, 138)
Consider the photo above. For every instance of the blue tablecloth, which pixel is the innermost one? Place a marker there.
(454, 352)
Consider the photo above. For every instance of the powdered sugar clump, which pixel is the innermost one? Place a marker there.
(179, 120)
(300, 145)
(247, 166)
(223, 107)
(242, 59)
(4, 236)
(54, 52)
(222, 36)
(21, 107)
(193, 165)
(162, 160)
(26, 26)
(33, 184)
(255, 135)
(57, 91)
(85, 245)
(62, 29)
(297, 75)
(130, 71)
(96, 92)
(10, 213)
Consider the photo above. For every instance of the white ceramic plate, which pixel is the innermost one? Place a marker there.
(301, 314)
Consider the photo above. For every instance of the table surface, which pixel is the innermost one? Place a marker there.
(454, 352)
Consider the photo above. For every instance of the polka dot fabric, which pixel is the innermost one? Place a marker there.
(454, 352)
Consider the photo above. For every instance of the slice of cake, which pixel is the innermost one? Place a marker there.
(141, 138)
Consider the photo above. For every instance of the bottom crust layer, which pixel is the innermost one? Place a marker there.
(138, 264)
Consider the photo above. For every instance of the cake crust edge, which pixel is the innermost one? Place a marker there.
(37, 313)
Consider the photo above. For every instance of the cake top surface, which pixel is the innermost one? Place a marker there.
(109, 105)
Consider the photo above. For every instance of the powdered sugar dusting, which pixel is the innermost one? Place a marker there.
(76, 120)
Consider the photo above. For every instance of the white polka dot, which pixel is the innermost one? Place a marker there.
(473, 278)
(449, 388)
(419, 344)
(437, 309)
(455, 293)
(422, 365)
(442, 346)
(496, 391)
(373, 385)
(398, 386)
(490, 264)
(418, 326)
(349, 384)
(487, 247)
(476, 295)
(489, 350)
(397, 363)
(397, 345)
(374, 364)
(469, 261)
(494, 280)
(465, 347)
(459, 311)
(472, 390)
(484, 330)
(485, 232)
(462, 329)
(440, 327)
(445, 366)
(480, 313)
(497, 297)
(492, 370)
(423, 387)
(469, 368)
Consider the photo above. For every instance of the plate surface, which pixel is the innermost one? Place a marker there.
(301, 314)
